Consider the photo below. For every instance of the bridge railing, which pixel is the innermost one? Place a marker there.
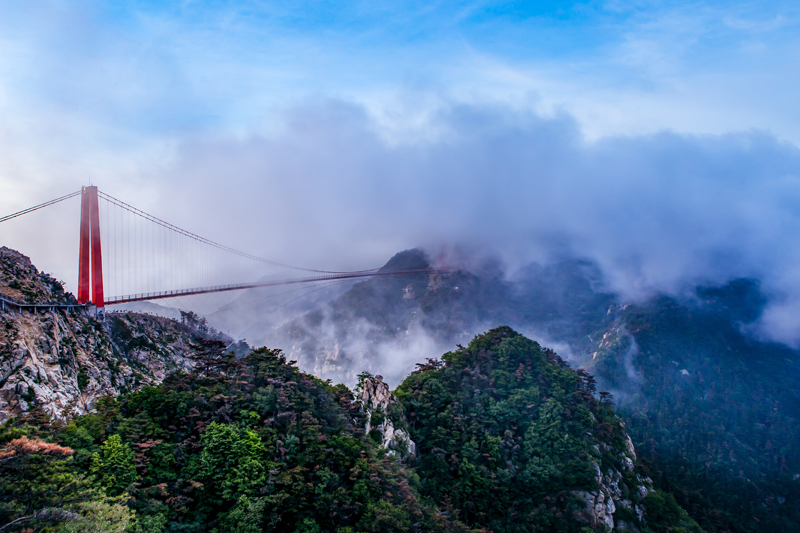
(115, 300)
(9, 303)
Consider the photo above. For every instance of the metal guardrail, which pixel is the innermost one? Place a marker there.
(7, 302)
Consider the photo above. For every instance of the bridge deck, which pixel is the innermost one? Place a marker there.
(114, 300)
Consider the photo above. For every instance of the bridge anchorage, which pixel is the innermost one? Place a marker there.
(142, 257)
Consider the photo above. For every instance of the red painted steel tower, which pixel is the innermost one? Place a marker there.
(90, 259)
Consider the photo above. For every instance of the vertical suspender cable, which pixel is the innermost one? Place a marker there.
(152, 258)
(128, 251)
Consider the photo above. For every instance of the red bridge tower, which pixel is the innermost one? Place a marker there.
(91, 257)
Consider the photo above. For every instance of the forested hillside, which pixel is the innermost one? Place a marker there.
(512, 440)
(715, 410)
(254, 444)
(712, 407)
(712, 410)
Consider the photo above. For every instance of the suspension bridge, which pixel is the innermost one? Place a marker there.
(134, 256)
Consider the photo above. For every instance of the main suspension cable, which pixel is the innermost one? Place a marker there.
(34, 208)
(209, 242)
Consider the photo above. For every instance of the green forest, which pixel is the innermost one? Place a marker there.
(508, 439)
(714, 413)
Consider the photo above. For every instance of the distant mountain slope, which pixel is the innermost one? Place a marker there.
(716, 410)
(385, 324)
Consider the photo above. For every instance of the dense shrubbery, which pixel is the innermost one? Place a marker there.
(507, 433)
(250, 445)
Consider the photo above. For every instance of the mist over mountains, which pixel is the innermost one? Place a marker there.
(711, 408)
(388, 324)
(658, 213)
(336, 187)
(706, 398)
(607, 195)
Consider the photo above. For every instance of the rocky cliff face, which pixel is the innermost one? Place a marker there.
(385, 421)
(64, 359)
(620, 493)
(22, 282)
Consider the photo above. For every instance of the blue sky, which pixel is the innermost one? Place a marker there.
(619, 67)
(660, 139)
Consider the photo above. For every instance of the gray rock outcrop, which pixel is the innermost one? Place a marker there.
(613, 493)
(384, 416)
(64, 359)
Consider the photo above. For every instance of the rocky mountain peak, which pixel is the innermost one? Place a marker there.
(414, 259)
(21, 282)
(375, 394)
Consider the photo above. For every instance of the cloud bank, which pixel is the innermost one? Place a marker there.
(658, 213)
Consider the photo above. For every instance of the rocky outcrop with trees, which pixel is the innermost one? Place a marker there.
(384, 420)
(63, 359)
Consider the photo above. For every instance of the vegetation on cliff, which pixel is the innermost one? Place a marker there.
(238, 445)
(712, 407)
(510, 439)
(713, 411)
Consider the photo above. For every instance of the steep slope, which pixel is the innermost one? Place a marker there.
(63, 359)
(715, 410)
(20, 281)
(511, 440)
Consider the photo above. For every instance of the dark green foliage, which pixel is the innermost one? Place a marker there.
(29, 395)
(83, 380)
(664, 515)
(40, 490)
(505, 431)
(716, 412)
(37, 482)
(664, 508)
(245, 445)
(507, 434)
(114, 466)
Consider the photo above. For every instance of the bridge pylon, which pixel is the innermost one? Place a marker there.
(90, 257)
